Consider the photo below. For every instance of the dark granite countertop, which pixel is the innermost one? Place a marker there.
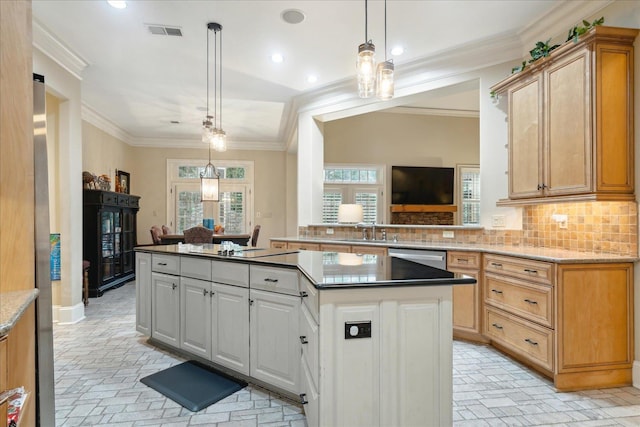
(330, 270)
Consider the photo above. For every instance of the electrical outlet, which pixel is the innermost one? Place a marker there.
(498, 221)
(329, 230)
(448, 234)
(561, 220)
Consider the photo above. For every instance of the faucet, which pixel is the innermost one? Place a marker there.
(364, 230)
(384, 235)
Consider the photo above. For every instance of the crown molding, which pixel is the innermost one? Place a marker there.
(197, 143)
(51, 46)
(434, 112)
(557, 22)
(91, 116)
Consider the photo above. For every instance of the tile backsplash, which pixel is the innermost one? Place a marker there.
(600, 227)
(597, 227)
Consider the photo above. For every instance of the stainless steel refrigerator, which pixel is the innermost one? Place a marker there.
(45, 397)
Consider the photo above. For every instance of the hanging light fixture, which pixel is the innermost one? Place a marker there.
(218, 136)
(384, 72)
(208, 122)
(366, 63)
(210, 177)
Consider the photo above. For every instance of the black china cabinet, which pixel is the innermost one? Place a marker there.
(109, 234)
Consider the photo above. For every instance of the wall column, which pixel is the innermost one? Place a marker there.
(310, 170)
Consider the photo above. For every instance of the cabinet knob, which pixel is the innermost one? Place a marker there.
(271, 280)
(303, 294)
(162, 263)
(250, 301)
(496, 264)
(204, 292)
(497, 291)
(530, 301)
(530, 341)
(303, 339)
(495, 325)
(528, 270)
(174, 286)
(303, 399)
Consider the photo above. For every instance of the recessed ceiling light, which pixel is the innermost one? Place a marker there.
(398, 50)
(118, 4)
(292, 16)
(312, 78)
(277, 58)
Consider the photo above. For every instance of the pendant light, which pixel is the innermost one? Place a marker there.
(210, 177)
(207, 123)
(384, 72)
(219, 136)
(366, 63)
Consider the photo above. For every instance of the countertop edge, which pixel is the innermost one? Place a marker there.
(12, 310)
(571, 257)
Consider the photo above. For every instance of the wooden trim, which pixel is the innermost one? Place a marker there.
(587, 197)
(424, 208)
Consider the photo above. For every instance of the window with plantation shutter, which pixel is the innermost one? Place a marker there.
(469, 185)
(234, 211)
(361, 184)
(332, 199)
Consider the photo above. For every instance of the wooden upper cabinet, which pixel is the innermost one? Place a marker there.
(571, 121)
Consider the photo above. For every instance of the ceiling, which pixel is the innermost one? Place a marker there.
(152, 88)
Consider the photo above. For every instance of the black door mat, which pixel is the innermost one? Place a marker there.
(193, 385)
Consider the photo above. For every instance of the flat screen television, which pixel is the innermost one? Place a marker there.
(415, 185)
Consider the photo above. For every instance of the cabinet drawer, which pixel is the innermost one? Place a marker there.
(532, 342)
(274, 280)
(532, 301)
(123, 200)
(456, 259)
(230, 273)
(538, 271)
(195, 268)
(109, 198)
(169, 264)
(309, 295)
(309, 343)
(279, 245)
(3, 365)
(301, 246)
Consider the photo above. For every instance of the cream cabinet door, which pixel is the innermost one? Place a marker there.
(195, 315)
(143, 293)
(165, 308)
(568, 157)
(230, 327)
(275, 340)
(525, 139)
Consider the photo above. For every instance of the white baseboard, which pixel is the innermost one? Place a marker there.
(636, 373)
(68, 315)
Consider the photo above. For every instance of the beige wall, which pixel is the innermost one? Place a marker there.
(103, 154)
(402, 140)
(149, 181)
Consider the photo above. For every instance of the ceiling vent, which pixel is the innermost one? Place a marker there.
(164, 30)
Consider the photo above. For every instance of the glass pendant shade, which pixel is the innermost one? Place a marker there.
(384, 80)
(209, 184)
(219, 140)
(366, 66)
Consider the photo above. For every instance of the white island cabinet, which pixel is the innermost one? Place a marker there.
(361, 345)
(399, 376)
(143, 293)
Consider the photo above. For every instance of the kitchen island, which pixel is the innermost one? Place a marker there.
(361, 340)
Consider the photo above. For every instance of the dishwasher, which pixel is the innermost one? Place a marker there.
(437, 259)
